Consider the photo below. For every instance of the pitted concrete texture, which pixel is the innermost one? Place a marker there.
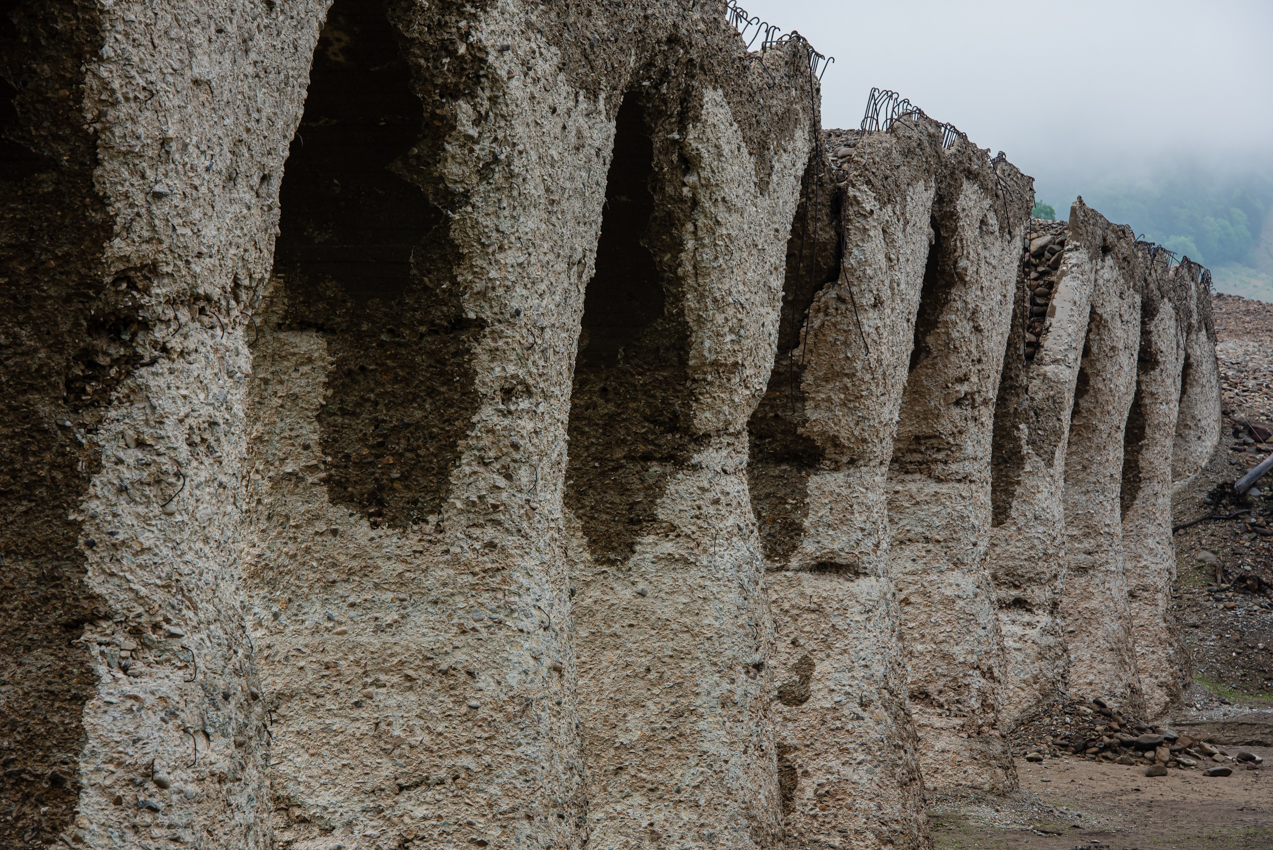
(133, 142)
(1198, 422)
(1094, 604)
(939, 477)
(672, 637)
(1149, 554)
(1032, 419)
(401, 633)
(490, 424)
(419, 590)
(846, 742)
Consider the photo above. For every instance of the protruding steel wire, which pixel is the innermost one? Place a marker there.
(885, 107)
(759, 36)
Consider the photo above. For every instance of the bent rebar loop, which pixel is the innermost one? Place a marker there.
(951, 134)
(884, 107)
(749, 26)
(817, 62)
(759, 35)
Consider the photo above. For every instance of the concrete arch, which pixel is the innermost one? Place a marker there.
(1031, 430)
(843, 724)
(455, 530)
(939, 476)
(1198, 424)
(402, 576)
(1094, 602)
(671, 618)
(1149, 553)
(132, 409)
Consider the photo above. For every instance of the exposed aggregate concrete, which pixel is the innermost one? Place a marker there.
(844, 729)
(1094, 602)
(939, 478)
(604, 456)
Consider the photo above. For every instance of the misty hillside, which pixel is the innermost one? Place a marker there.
(1223, 223)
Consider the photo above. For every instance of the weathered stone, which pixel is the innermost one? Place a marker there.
(1198, 420)
(838, 655)
(1039, 244)
(1145, 502)
(1028, 457)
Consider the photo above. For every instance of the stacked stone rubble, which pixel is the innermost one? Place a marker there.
(600, 454)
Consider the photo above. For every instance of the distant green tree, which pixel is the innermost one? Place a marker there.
(1042, 210)
(1185, 247)
(1190, 211)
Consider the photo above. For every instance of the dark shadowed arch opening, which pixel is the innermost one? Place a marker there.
(1083, 383)
(1133, 441)
(1007, 455)
(1039, 278)
(919, 439)
(939, 280)
(781, 458)
(630, 403)
(364, 256)
(68, 341)
(625, 295)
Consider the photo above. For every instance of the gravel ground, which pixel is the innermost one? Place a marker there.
(1224, 604)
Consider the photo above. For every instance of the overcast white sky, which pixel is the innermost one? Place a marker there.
(1072, 90)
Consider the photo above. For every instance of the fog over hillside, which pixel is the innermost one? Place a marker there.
(1154, 112)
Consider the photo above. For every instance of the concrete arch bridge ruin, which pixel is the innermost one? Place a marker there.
(494, 424)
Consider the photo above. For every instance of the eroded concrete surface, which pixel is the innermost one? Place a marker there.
(477, 425)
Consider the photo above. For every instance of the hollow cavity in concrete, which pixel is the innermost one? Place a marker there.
(366, 258)
(782, 458)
